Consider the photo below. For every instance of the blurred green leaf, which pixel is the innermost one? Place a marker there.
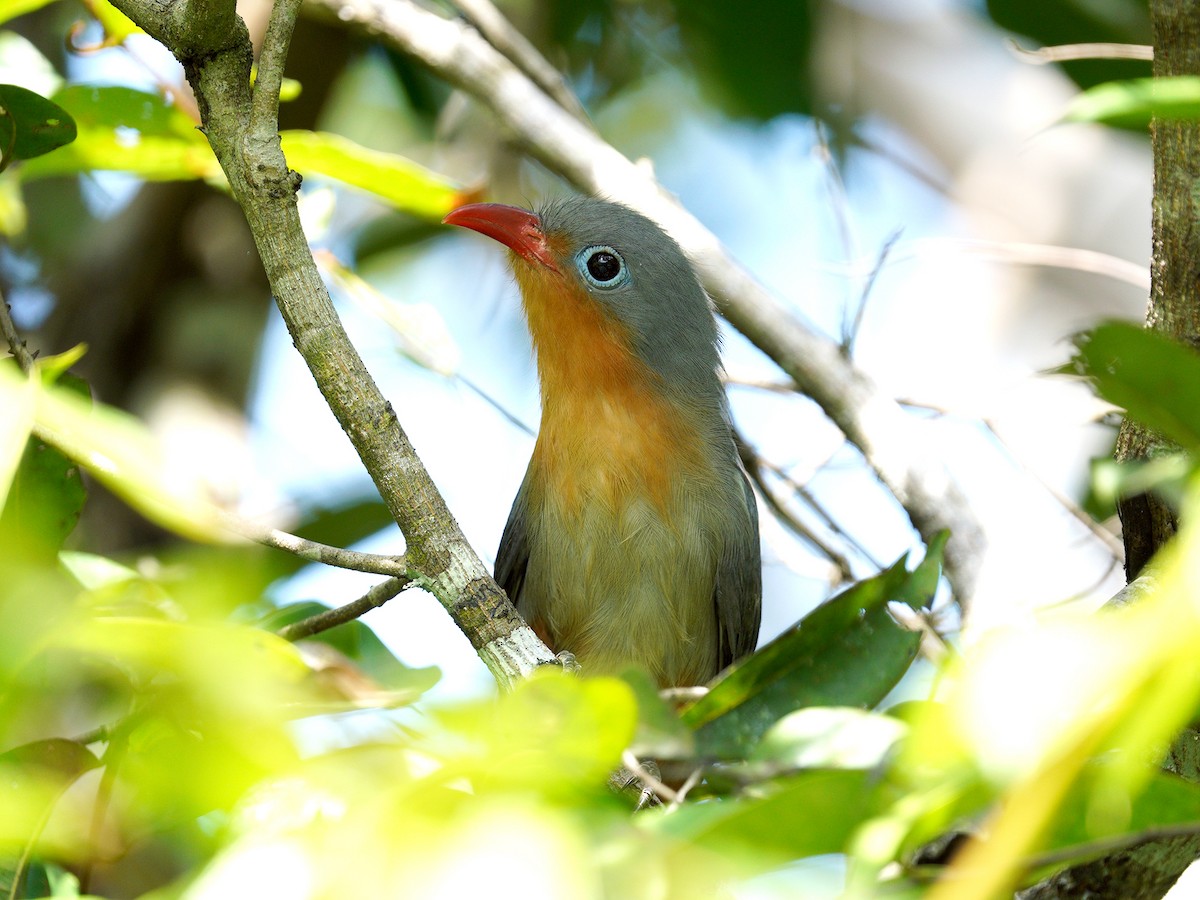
(555, 731)
(847, 652)
(1154, 378)
(1087, 816)
(32, 778)
(1167, 476)
(830, 737)
(755, 57)
(10, 9)
(119, 451)
(1132, 104)
(660, 732)
(808, 814)
(1027, 710)
(117, 26)
(357, 642)
(46, 497)
(30, 125)
(404, 184)
(115, 106)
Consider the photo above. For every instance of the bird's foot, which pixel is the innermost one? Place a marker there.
(625, 781)
(569, 663)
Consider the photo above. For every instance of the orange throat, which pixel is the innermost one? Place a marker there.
(608, 433)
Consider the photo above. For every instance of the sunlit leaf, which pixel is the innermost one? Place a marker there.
(119, 451)
(1155, 378)
(117, 26)
(10, 9)
(1031, 707)
(18, 400)
(830, 737)
(14, 216)
(211, 658)
(1132, 104)
(404, 184)
(554, 730)
(32, 778)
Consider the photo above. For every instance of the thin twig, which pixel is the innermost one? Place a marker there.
(861, 309)
(1110, 541)
(684, 789)
(1105, 846)
(1027, 254)
(16, 344)
(331, 618)
(685, 694)
(313, 551)
(264, 108)
(1066, 52)
(754, 468)
(631, 762)
(840, 204)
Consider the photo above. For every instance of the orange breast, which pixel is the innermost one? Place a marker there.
(607, 431)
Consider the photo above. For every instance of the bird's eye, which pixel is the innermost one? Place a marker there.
(602, 267)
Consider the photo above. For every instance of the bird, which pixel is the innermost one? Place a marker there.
(633, 540)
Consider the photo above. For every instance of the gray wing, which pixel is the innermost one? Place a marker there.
(738, 591)
(512, 558)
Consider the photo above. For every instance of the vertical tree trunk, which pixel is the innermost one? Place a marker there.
(1148, 871)
(1147, 522)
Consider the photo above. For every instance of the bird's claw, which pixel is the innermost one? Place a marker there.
(569, 663)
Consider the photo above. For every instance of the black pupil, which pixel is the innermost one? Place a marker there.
(604, 265)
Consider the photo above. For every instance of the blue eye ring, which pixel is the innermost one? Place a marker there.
(602, 267)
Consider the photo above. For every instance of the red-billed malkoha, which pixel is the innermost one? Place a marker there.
(634, 537)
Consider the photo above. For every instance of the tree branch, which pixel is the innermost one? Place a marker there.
(16, 343)
(902, 451)
(212, 44)
(331, 618)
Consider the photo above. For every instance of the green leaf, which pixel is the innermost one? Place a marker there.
(30, 125)
(32, 778)
(553, 733)
(847, 652)
(830, 737)
(1132, 104)
(404, 184)
(809, 814)
(46, 497)
(754, 57)
(119, 451)
(1153, 377)
(125, 130)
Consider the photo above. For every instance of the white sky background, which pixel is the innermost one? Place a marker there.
(942, 326)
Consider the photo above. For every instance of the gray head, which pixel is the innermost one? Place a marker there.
(634, 272)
